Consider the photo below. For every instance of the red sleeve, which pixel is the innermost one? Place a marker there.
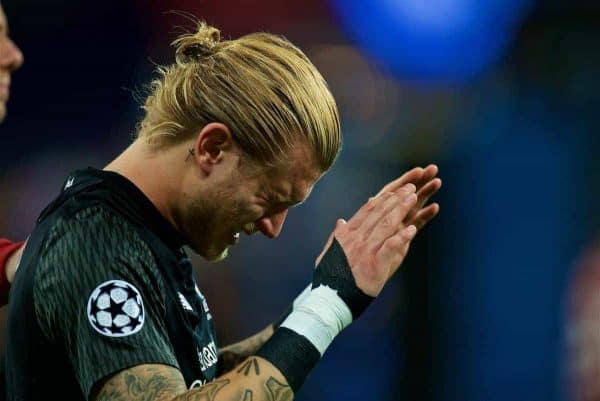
(7, 247)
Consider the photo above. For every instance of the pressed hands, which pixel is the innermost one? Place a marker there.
(376, 239)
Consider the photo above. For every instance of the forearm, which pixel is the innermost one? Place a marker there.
(256, 379)
(234, 354)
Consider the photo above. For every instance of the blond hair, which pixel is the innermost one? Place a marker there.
(261, 86)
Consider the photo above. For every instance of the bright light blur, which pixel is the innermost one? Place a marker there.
(436, 40)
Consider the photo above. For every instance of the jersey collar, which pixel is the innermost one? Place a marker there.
(134, 203)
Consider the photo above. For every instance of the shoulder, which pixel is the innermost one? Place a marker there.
(89, 247)
(85, 255)
(96, 227)
(92, 236)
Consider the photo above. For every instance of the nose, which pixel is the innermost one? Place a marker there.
(11, 56)
(271, 225)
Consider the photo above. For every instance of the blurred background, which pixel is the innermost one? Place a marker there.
(499, 298)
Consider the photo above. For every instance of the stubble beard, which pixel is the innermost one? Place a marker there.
(206, 216)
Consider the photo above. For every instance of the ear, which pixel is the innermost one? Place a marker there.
(211, 146)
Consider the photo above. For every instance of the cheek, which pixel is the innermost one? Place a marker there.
(248, 210)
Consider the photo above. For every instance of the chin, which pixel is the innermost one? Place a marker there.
(211, 254)
(223, 255)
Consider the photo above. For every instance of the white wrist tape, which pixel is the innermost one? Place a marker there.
(302, 296)
(319, 316)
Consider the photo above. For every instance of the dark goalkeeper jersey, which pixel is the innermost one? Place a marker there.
(103, 285)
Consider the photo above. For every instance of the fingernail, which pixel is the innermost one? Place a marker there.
(411, 230)
(412, 198)
(410, 188)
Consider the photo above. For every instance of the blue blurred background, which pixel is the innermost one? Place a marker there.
(502, 94)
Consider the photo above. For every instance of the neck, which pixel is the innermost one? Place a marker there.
(156, 173)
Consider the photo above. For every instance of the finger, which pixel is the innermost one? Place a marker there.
(386, 227)
(380, 216)
(384, 219)
(394, 249)
(427, 191)
(429, 173)
(338, 224)
(388, 223)
(367, 209)
(425, 215)
(410, 176)
(424, 194)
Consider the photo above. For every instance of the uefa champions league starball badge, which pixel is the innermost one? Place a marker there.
(115, 309)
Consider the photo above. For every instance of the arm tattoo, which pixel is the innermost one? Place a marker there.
(142, 383)
(249, 364)
(109, 395)
(242, 386)
(206, 393)
(145, 389)
(278, 391)
(160, 382)
(247, 395)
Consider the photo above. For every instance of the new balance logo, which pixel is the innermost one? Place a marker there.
(184, 302)
(204, 304)
(69, 183)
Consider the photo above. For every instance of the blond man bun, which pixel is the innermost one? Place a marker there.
(197, 46)
(261, 86)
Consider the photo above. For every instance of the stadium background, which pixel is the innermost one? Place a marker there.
(502, 94)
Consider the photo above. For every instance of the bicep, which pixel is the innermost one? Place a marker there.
(148, 382)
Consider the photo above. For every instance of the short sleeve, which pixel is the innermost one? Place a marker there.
(99, 295)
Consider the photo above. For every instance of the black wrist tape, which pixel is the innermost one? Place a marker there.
(334, 271)
(282, 317)
(292, 354)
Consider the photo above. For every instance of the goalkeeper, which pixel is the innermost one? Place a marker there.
(105, 306)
